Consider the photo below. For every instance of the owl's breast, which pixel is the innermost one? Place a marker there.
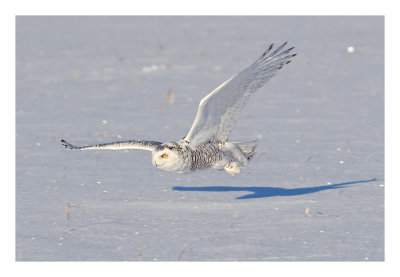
(203, 156)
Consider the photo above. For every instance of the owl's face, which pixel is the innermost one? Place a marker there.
(167, 159)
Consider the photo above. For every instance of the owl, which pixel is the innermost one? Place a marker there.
(206, 145)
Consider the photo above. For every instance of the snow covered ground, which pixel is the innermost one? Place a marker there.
(314, 192)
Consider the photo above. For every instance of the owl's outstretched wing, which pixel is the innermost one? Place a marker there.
(220, 109)
(121, 145)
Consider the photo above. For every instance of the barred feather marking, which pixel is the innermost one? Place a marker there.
(119, 145)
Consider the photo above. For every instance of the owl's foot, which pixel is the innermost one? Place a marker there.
(232, 168)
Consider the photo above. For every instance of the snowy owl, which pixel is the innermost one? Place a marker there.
(206, 145)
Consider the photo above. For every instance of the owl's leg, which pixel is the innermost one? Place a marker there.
(232, 168)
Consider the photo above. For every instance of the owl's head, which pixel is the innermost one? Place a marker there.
(168, 157)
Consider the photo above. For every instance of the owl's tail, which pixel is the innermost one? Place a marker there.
(248, 148)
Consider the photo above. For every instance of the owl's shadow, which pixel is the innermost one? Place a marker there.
(261, 192)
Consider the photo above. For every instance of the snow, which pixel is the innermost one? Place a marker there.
(350, 49)
(314, 192)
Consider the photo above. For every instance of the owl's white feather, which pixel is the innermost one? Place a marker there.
(206, 146)
(119, 145)
(220, 109)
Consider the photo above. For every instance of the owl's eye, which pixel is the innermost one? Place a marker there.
(164, 155)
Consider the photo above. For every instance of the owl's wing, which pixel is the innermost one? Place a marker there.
(220, 109)
(121, 145)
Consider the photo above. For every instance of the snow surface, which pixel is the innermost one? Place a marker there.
(314, 192)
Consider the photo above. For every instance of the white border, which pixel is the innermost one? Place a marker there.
(174, 7)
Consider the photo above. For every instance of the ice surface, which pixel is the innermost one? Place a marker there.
(315, 191)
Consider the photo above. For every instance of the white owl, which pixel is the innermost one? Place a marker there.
(206, 145)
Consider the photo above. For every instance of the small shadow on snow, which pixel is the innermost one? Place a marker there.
(260, 192)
